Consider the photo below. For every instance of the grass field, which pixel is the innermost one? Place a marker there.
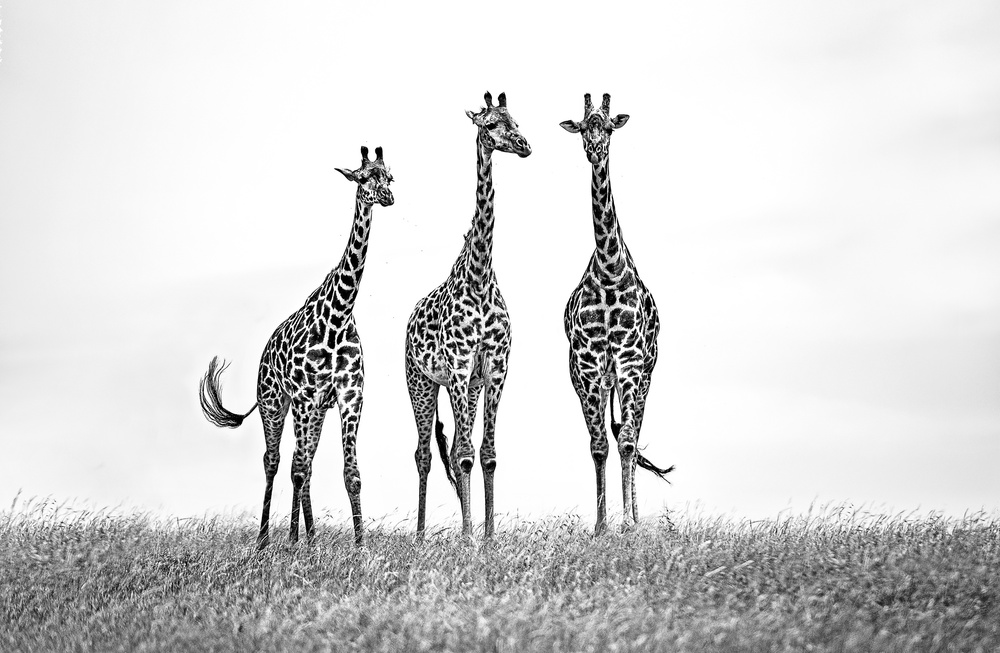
(841, 580)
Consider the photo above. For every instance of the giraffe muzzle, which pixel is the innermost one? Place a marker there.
(386, 198)
(595, 152)
(521, 147)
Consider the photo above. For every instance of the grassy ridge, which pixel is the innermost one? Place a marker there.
(837, 581)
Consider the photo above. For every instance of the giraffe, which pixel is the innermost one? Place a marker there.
(612, 324)
(311, 363)
(458, 336)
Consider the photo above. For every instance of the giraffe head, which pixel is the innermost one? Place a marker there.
(596, 127)
(497, 130)
(373, 179)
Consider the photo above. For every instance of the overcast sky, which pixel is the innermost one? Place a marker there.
(811, 192)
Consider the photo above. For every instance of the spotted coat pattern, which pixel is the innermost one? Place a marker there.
(611, 323)
(458, 336)
(313, 362)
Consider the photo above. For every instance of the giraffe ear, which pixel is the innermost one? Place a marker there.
(570, 126)
(474, 117)
(619, 121)
(347, 173)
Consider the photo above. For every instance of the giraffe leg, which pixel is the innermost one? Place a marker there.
(306, 501)
(635, 502)
(629, 380)
(488, 452)
(273, 418)
(308, 426)
(423, 398)
(640, 410)
(599, 453)
(474, 390)
(593, 400)
(350, 401)
(463, 454)
(306, 498)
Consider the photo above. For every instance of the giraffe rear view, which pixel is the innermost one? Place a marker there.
(458, 336)
(311, 363)
(611, 323)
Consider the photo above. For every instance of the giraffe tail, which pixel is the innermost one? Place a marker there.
(442, 441)
(662, 472)
(210, 396)
(640, 460)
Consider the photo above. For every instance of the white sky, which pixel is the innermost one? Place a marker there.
(810, 191)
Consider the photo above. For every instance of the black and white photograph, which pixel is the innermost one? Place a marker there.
(504, 327)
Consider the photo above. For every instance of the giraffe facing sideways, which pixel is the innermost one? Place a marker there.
(311, 363)
(611, 323)
(458, 336)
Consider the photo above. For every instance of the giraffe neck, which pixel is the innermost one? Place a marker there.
(609, 256)
(480, 241)
(341, 285)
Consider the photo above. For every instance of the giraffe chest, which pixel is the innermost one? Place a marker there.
(459, 338)
(458, 348)
(606, 329)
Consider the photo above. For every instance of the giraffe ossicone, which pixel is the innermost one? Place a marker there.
(311, 363)
(612, 325)
(458, 336)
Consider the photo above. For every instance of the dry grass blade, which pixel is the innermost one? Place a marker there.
(839, 579)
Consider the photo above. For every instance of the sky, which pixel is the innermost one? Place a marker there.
(810, 191)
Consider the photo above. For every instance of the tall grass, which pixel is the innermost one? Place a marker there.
(839, 579)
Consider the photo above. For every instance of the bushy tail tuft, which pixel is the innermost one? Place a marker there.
(210, 396)
(442, 441)
(640, 460)
(643, 462)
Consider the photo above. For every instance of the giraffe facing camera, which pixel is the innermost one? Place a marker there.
(612, 325)
(596, 127)
(373, 178)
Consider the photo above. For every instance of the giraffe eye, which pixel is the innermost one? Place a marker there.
(491, 126)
